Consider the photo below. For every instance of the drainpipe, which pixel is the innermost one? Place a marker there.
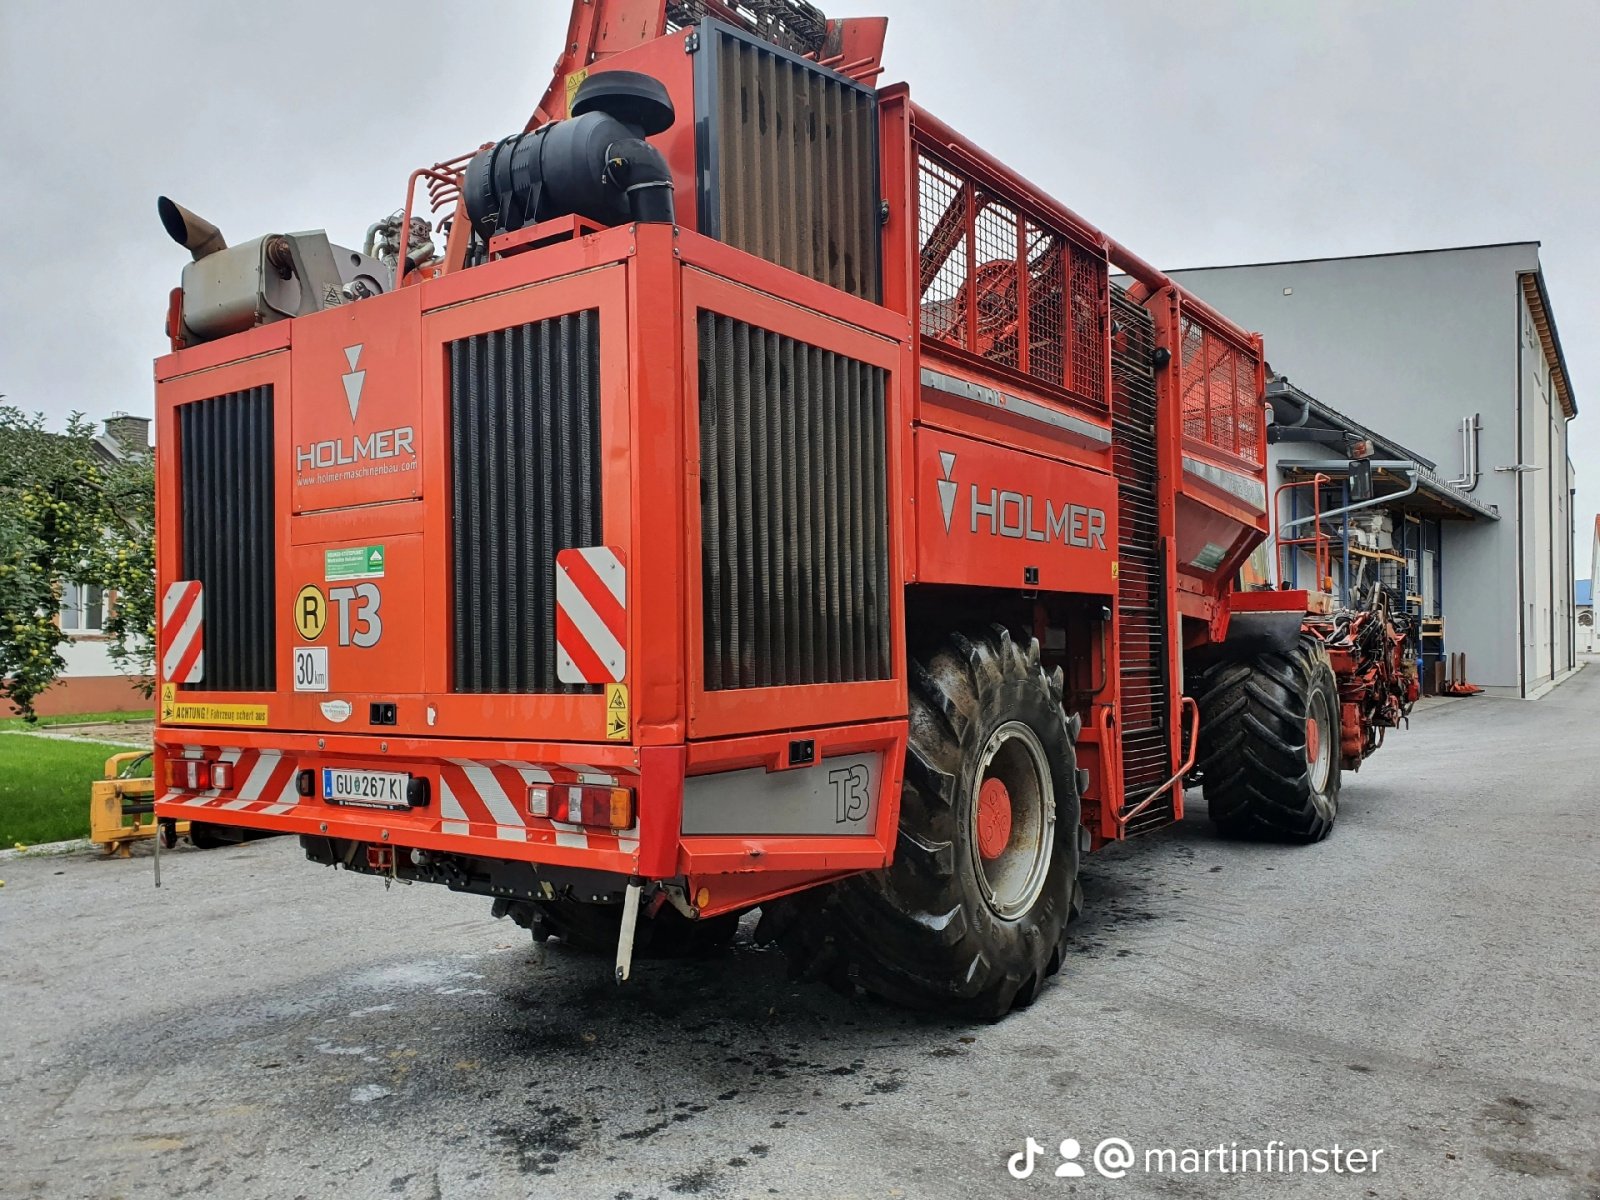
(1522, 613)
(1471, 427)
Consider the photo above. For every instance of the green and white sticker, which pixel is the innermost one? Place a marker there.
(353, 562)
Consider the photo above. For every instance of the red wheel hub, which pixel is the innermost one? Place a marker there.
(994, 819)
(1313, 740)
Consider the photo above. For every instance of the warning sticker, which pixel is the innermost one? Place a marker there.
(353, 562)
(574, 81)
(182, 712)
(619, 725)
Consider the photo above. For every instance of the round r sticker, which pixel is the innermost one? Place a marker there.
(310, 612)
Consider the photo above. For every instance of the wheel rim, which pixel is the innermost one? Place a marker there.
(1013, 820)
(1319, 742)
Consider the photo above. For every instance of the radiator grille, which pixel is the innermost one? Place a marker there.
(1141, 607)
(789, 162)
(793, 509)
(229, 534)
(525, 484)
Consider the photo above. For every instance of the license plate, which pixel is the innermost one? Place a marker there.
(366, 789)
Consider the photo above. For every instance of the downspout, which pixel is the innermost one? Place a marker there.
(1550, 505)
(1471, 473)
(1522, 612)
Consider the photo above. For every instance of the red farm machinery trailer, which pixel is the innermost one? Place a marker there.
(736, 489)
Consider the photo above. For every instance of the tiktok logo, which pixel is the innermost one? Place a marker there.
(1020, 1165)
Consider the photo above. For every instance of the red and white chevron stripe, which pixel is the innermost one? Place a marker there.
(482, 798)
(183, 610)
(265, 783)
(479, 798)
(591, 616)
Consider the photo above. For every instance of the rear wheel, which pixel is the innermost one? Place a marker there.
(1269, 744)
(970, 917)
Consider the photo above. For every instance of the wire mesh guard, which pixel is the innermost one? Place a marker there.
(1221, 401)
(999, 284)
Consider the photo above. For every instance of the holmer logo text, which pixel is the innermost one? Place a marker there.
(1015, 515)
(342, 452)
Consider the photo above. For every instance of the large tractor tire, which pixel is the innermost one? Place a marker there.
(970, 918)
(595, 928)
(1269, 744)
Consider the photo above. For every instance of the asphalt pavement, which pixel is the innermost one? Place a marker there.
(1424, 985)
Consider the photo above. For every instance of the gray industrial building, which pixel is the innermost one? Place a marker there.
(1453, 353)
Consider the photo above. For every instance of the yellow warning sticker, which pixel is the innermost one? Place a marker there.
(574, 81)
(619, 725)
(179, 712)
(1113, 568)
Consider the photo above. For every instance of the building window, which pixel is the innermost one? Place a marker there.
(83, 608)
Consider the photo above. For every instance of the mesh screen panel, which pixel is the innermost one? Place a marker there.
(1006, 287)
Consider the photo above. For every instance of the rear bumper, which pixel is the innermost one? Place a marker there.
(478, 806)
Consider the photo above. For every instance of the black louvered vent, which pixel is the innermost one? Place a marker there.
(229, 535)
(789, 161)
(793, 511)
(525, 484)
(1141, 607)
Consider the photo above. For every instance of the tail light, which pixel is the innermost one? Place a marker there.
(582, 804)
(198, 774)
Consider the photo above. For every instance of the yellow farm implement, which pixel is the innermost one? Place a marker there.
(122, 806)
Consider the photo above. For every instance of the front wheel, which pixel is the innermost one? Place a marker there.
(970, 917)
(1269, 744)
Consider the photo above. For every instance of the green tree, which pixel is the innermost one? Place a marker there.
(66, 514)
(125, 564)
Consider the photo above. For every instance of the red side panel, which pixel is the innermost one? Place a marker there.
(993, 517)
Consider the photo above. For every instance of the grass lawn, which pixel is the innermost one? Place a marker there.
(44, 787)
(116, 718)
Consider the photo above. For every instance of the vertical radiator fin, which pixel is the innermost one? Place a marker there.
(789, 161)
(525, 484)
(229, 534)
(793, 509)
(1141, 605)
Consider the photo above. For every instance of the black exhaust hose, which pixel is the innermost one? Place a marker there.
(640, 170)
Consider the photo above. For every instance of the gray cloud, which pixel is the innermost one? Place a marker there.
(1198, 134)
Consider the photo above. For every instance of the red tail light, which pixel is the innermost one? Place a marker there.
(198, 774)
(188, 774)
(583, 804)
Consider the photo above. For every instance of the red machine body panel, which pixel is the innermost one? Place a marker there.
(988, 514)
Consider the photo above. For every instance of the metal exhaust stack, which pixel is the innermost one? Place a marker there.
(198, 236)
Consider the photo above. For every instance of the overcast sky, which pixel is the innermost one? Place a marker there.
(1198, 134)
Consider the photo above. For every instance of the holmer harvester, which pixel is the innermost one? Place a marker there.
(736, 489)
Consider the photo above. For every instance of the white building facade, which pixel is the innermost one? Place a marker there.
(1454, 353)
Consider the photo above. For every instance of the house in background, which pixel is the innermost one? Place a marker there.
(91, 681)
(1455, 354)
(1584, 602)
